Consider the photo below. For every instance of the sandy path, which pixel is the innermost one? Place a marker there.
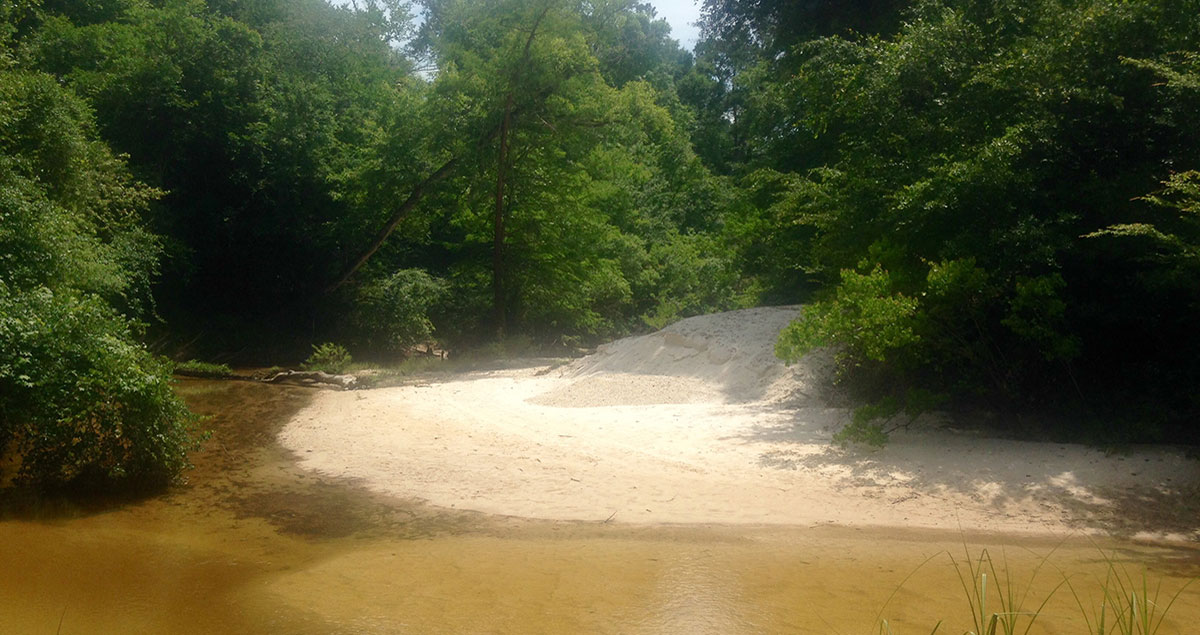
(699, 424)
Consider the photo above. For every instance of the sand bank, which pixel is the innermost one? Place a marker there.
(699, 423)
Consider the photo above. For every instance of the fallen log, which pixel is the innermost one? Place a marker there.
(313, 377)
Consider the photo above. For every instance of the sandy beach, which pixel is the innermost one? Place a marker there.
(700, 423)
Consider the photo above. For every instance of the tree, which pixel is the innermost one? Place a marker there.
(540, 166)
(81, 402)
(778, 25)
(589, 185)
(512, 63)
(747, 52)
(990, 163)
(266, 124)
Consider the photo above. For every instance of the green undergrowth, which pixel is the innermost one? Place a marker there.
(195, 368)
(328, 357)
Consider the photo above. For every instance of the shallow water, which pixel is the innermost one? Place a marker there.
(253, 544)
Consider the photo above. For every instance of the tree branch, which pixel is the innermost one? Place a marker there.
(397, 216)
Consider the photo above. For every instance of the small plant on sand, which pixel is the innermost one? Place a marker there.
(328, 357)
(1128, 606)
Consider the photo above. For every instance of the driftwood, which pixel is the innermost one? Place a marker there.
(428, 349)
(312, 378)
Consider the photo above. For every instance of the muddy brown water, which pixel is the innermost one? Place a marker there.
(253, 544)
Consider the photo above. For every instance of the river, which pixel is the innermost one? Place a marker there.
(254, 544)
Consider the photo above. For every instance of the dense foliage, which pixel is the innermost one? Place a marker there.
(81, 401)
(539, 169)
(986, 202)
(998, 199)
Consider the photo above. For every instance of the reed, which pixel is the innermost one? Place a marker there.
(1000, 605)
(1010, 599)
(1128, 605)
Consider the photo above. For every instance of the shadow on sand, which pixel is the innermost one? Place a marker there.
(1149, 490)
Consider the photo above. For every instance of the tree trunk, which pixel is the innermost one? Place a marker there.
(498, 265)
(498, 273)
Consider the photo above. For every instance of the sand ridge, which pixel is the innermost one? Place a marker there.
(700, 423)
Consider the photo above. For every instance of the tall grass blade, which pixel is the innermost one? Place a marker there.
(901, 585)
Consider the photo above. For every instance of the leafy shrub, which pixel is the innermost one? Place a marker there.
(203, 369)
(689, 275)
(80, 402)
(1036, 316)
(866, 319)
(392, 313)
(328, 357)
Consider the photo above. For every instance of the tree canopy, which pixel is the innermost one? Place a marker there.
(1000, 203)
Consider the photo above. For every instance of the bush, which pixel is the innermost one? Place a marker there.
(80, 402)
(328, 357)
(392, 313)
(1020, 171)
(196, 368)
(866, 319)
(690, 276)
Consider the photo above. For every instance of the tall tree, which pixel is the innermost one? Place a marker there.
(523, 72)
(258, 118)
(81, 401)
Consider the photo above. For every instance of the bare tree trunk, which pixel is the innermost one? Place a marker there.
(498, 272)
(498, 264)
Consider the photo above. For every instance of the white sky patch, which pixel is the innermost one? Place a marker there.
(682, 15)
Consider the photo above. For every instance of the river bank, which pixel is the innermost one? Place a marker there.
(256, 543)
(699, 423)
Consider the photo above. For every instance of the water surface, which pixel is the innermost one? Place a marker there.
(253, 544)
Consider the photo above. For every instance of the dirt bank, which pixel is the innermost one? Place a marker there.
(700, 424)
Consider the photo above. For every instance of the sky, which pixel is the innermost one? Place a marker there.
(681, 14)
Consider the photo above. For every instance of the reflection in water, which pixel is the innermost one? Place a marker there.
(693, 596)
(255, 545)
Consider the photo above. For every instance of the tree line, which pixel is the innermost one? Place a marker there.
(982, 203)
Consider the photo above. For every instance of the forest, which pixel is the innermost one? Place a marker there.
(984, 205)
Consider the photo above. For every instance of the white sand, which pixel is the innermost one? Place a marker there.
(699, 423)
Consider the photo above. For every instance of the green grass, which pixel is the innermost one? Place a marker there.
(1010, 597)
